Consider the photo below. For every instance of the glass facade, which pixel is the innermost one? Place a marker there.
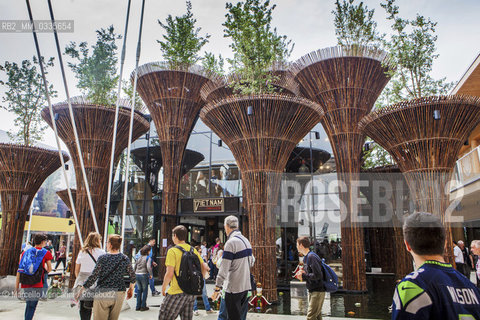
(210, 172)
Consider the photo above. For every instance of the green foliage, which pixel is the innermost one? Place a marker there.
(376, 156)
(25, 97)
(412, 47)
(256, 46)
(354, 24)
(96, 72)
(213, 64)
(127, 89)
(182, 41)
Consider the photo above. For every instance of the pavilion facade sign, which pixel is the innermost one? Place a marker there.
(209, 205)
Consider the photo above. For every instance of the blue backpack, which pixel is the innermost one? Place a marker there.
(30, 267)
(330, 278)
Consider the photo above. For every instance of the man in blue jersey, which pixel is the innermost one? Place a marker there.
(435, 290)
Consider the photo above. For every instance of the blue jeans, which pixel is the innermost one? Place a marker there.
(142, 283)
(45, 285)
(222, 314)
(31, 296)
(151, 282)
(152, 285)
(204, 298)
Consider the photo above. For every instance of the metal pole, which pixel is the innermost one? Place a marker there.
(115, 125)
(54, 125)
(130, 133)
(72, 118)
(311, 193)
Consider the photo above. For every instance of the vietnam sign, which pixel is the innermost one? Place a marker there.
(208, 205)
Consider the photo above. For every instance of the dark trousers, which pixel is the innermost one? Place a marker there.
(86, 309)
(63, 261)
(235, 303)
(31, 296)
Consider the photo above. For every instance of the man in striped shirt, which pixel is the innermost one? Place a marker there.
(235, 269)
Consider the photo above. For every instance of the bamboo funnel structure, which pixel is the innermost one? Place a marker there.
(173, 98)
(63, 195)
(424, 137)
(95, 131)
(346, 82)
(261, 141)
(22, 171)
(388, 236)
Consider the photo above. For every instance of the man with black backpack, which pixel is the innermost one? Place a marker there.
(34, 262)
(312, 273)
(185, 274)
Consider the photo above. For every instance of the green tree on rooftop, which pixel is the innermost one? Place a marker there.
(96, 72)
(255, 44)
(181, 41)
(25, 97)
(354, 24)
(412, 46)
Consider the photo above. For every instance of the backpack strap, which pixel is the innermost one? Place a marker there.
(91, 256)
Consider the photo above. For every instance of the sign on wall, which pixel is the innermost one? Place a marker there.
(209, 205)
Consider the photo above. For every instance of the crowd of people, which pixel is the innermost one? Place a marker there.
(104, 279)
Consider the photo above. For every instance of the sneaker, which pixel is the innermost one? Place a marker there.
(196, 313)
(138, 309)
(211, 311)
(144, 309)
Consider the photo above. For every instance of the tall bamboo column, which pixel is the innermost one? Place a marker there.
(95, 131)
(346, 82)
(22, 171)
(173, 98)
(424, 137)
(262, 131)
(401, 263)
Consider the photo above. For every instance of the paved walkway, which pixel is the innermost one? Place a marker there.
(59, 308)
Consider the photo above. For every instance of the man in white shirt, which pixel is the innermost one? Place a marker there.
(457, 252)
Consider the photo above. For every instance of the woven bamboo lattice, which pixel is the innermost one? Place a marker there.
(173, 98)
(390, 231)
(426, 148)
(63, 195)
(95, 131)
(261, 144)
(346, 82)
(22, 172)
(221, 87)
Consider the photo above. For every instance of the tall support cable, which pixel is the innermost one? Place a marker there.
(130, 133)
(72, 118)
(115, 124)
(54, 125)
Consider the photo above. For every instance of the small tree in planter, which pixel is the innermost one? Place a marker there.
(261, 119)
(181, 41)
(25, 97)
(255, 44)
(96, 72)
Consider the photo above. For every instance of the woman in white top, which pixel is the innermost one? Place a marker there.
(85, 263)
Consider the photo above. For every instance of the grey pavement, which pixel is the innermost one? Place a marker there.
(59, 308)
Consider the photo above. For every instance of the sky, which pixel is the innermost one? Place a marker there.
(309, 23)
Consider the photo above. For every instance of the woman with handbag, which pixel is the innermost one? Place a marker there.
(85, 263)
(110, 271)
